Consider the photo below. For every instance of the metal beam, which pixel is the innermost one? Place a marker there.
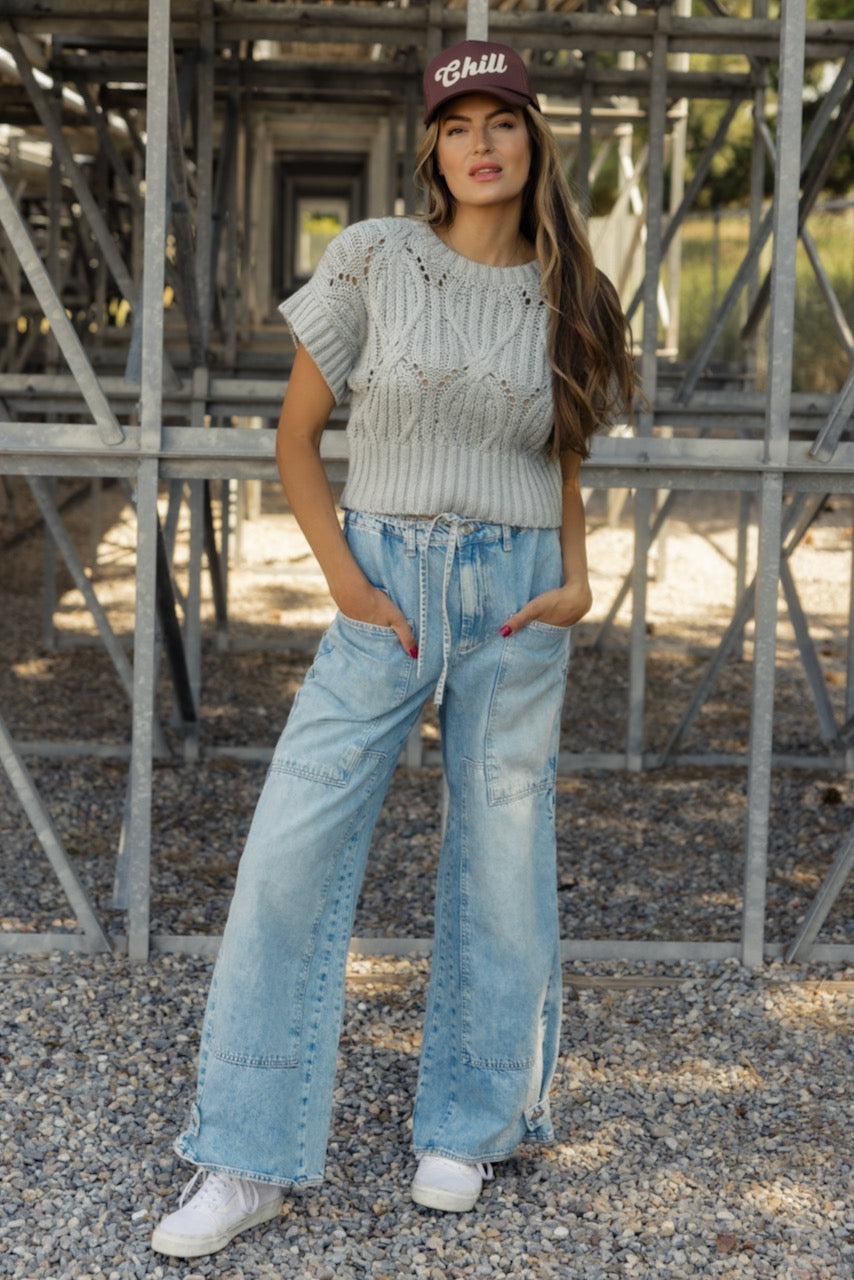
(395, 25)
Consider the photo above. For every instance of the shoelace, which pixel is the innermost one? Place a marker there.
(215, 1188)
(485, 1171)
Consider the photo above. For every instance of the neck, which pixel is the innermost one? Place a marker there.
(489, 236)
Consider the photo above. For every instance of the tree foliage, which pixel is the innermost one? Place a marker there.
(728, 183)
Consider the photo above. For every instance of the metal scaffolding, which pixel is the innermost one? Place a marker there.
(157, 118)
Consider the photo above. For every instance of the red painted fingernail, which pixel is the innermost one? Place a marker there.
(506, 631)
(413, 652)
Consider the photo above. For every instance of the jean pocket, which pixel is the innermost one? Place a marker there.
(358, 680)
(366, 628)
(524, 715)
(548, 628)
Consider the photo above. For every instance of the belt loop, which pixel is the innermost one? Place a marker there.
(410, 538)
(507, 537)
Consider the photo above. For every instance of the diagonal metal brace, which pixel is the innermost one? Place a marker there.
(830, 890)
(58, 141)
(63, 330)
(799, 517)
(48, 836)
(58, 532)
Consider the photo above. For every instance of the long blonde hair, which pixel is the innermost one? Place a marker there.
(589, 344)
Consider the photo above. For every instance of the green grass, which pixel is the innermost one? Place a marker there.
(712, 251)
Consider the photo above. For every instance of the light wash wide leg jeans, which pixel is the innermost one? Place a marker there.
(273, 1019)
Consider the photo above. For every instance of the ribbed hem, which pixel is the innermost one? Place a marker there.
(409, 478)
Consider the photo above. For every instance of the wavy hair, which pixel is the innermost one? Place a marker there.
(589, 343)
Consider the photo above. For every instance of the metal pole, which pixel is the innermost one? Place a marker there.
(232, 236)
(849, 662)
(193, 604)
(785, 215)
(52, 358)
(584, 160)
(139, 825)
(204, 167)
(477, 20)
(678, 140)
(409, 139)
(649, 372)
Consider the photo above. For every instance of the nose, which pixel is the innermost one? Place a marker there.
(483, 139)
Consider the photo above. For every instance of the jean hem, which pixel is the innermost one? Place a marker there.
(231, 1171)
(485, 1157)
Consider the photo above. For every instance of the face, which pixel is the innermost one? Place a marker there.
(483, 150)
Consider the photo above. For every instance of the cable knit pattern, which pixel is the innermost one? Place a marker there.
(445, 363)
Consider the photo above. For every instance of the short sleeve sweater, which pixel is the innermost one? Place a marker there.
(444, 360)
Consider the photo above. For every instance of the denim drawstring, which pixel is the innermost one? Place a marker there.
(454, 522)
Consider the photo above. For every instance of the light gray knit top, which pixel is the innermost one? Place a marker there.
(445, 363)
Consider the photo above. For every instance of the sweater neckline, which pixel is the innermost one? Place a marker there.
(481, 270)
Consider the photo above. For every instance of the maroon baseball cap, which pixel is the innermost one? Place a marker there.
(476, 66)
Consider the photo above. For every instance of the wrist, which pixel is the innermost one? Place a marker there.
(578, 589)
(347, 585)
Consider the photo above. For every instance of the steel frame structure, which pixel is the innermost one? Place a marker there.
(161, 420)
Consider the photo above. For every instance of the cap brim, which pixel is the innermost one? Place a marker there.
(510, 96)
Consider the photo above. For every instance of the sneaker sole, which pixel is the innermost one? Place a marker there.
(198, 1246)
(446, 1201)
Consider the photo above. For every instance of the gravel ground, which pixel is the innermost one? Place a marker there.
(703, 1112)
(703, 1116)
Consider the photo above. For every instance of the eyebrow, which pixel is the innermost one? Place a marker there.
(499, 111)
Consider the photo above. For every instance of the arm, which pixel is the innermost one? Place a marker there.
(567, 604)
(305, 412)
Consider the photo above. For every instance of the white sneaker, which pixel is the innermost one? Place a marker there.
(221, 1208)
(450, 1185)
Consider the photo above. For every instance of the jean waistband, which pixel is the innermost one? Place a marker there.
(416, 531)
(417, 534)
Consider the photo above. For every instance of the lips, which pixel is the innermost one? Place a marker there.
(485, 171)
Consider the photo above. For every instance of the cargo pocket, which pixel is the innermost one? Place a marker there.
(523, 725)
(359, 675)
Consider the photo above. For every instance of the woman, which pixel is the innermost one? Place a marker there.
(481, 349)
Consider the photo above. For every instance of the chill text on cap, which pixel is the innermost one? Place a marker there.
(488, 64)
